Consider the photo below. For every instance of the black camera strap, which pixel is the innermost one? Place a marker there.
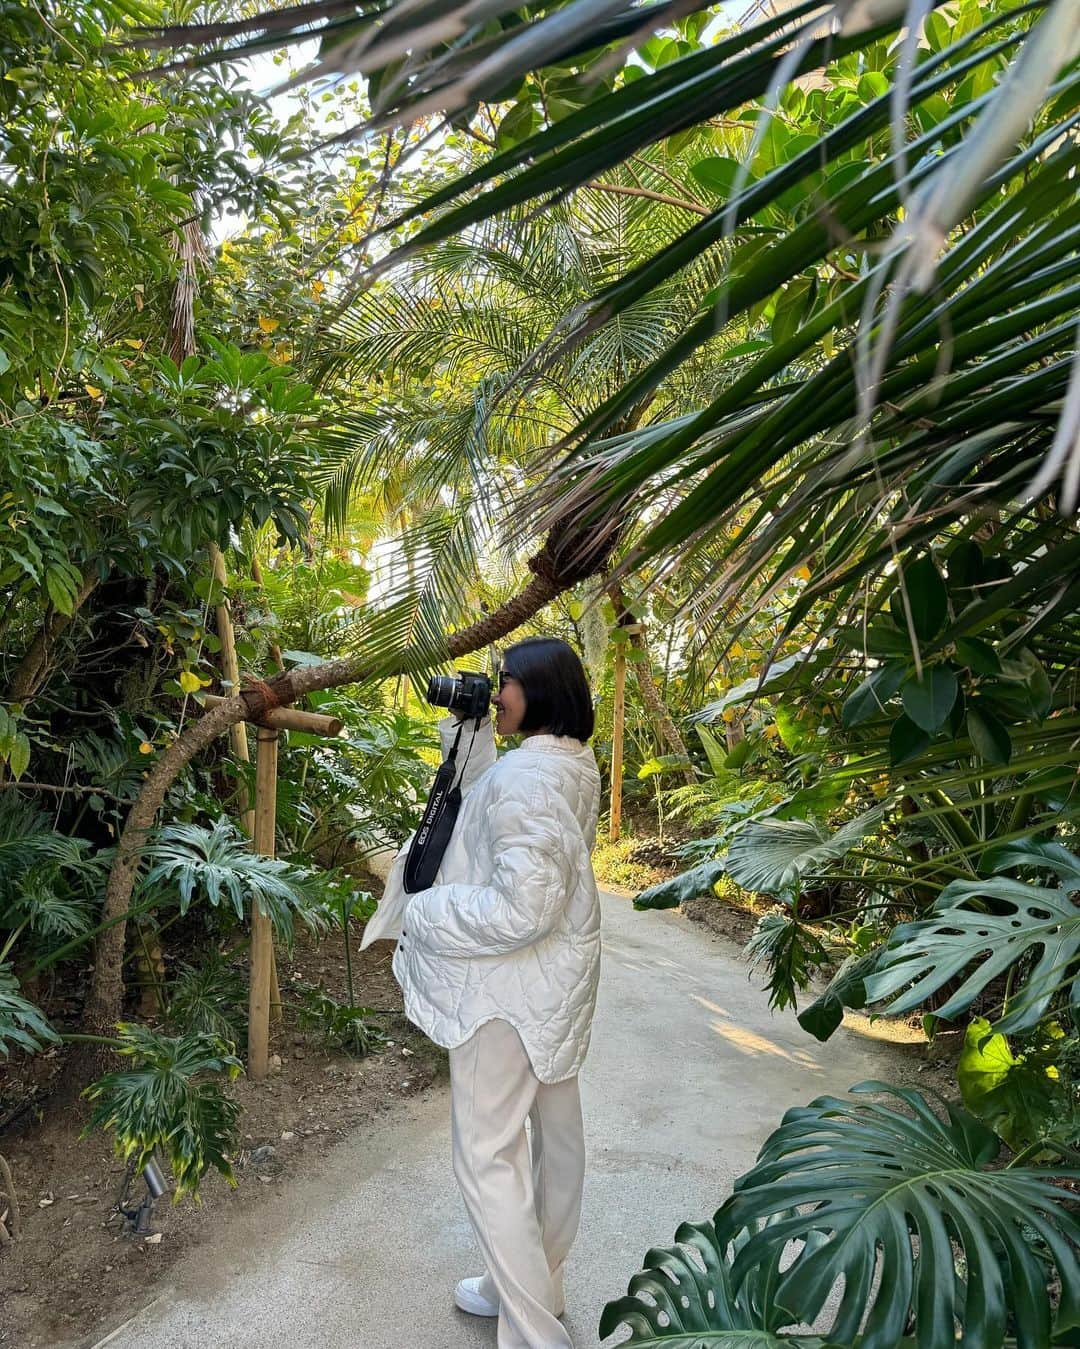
(440, 815)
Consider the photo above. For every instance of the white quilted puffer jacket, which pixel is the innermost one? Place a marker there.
(511, 927)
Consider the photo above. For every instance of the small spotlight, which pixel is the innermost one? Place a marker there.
(137, 1219)
(155, 1179)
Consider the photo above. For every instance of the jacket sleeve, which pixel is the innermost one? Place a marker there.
(386, 921)
(535, 842)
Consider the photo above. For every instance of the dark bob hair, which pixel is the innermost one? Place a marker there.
(556, 691)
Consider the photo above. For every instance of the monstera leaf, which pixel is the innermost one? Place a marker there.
(770, 856)
(901, 1227)
(693, 1302)
(963, 934)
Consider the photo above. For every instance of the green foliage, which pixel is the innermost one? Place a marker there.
(48, 880)
(679, 889)
(340, 1025)
(790, 951)
(1027, 1098)
(686, 1297)
(363, 792)
(847, 988)
(983, 928)
(895, 1215)
(217, 865)
(216, 443)
(165, 1103)
(772, 856)
(870, 1187)
(21, 1023)
(210, 999)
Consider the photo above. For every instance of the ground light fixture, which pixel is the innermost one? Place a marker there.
(137, 1217)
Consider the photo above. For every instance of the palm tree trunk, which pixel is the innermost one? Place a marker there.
(662, 720)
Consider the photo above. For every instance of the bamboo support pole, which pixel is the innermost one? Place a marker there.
(617, 742)
(262, 941)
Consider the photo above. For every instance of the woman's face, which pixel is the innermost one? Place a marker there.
(509, 705)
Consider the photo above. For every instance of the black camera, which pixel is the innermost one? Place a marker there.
(467, 694)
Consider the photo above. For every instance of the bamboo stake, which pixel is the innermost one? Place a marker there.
(279, 661)
(262, 941)
(617, 742)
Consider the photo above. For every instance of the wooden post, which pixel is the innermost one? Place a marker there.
(264, 999)
(262, 940)
(617, 741)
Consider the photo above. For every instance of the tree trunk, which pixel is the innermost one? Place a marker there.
(33, 669)
(664, 724)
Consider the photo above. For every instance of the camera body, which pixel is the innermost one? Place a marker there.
(465, 693)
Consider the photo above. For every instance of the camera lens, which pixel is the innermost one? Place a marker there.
(441, 689)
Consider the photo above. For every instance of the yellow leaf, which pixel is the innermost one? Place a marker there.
(803, 573)
(771, 732)
(92, 390)
(205, 683)
(268, 325)
(189, 681)
(728, 715)
(317, 288)
(146, 747)
(737, 649)
(134, 343)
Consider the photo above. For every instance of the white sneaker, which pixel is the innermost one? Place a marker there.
(468, 1297)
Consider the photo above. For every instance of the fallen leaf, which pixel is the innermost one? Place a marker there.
(154, 1239)
(92, 390)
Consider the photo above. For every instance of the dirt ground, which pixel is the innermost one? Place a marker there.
(72, 1270)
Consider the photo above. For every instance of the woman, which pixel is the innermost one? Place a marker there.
(499, 962)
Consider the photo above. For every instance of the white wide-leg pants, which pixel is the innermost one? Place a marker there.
(524, 1206)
